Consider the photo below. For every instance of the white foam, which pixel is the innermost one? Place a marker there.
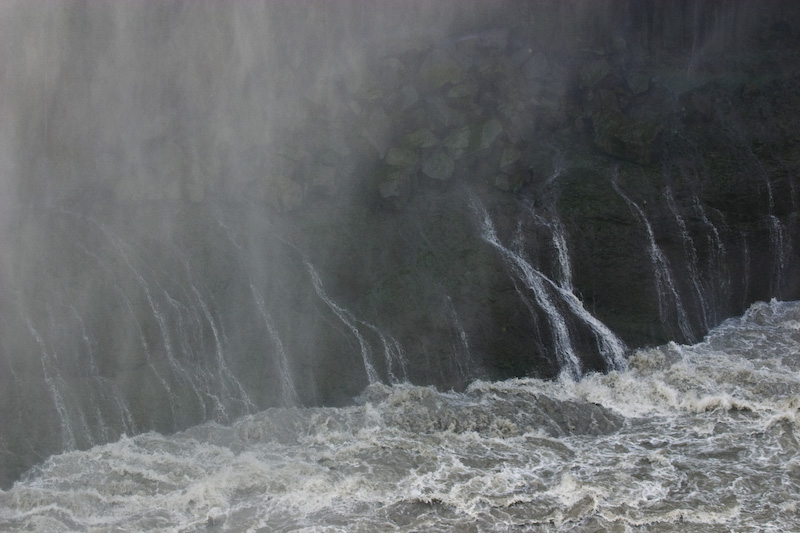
(696, 435)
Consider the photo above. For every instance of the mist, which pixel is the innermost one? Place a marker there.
(208, 209)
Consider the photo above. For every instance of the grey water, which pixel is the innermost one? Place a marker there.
(699, 437)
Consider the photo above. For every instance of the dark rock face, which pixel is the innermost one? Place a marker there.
(468, 203)
(617, 136)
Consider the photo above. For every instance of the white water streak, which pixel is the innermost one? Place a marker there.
(349, 321)
(558, 167)
(565, 353)
(562, 252)
(462, 355)
(690, 253)
(665, 284)
(142, 339)
(221, 359)
(558, 235)
(718, 272)
(393, 355)
(746, 267)
(53, 382)
(289, 396)
(611, 347)
(288, 392)
(780, 250)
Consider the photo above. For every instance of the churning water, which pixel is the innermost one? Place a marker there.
(688, 438)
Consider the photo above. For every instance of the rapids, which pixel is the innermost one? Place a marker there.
(701, 437)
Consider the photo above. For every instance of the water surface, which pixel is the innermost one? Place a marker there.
(689, 438)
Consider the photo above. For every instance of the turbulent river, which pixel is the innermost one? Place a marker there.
(688, 438)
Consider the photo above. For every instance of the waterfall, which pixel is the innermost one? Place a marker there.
(394, 357)
(183, 375)
(690, 254)
(288, 392)
(779, 248)
(558, 236)
(54, 386)
(562, 253)
(188, 355)
(668, 295)
(97, 381)
(349, 321)
(611, 348)
(718, 272)
(461, 354)
(226, 376)
(534, 280)
(127, 423)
